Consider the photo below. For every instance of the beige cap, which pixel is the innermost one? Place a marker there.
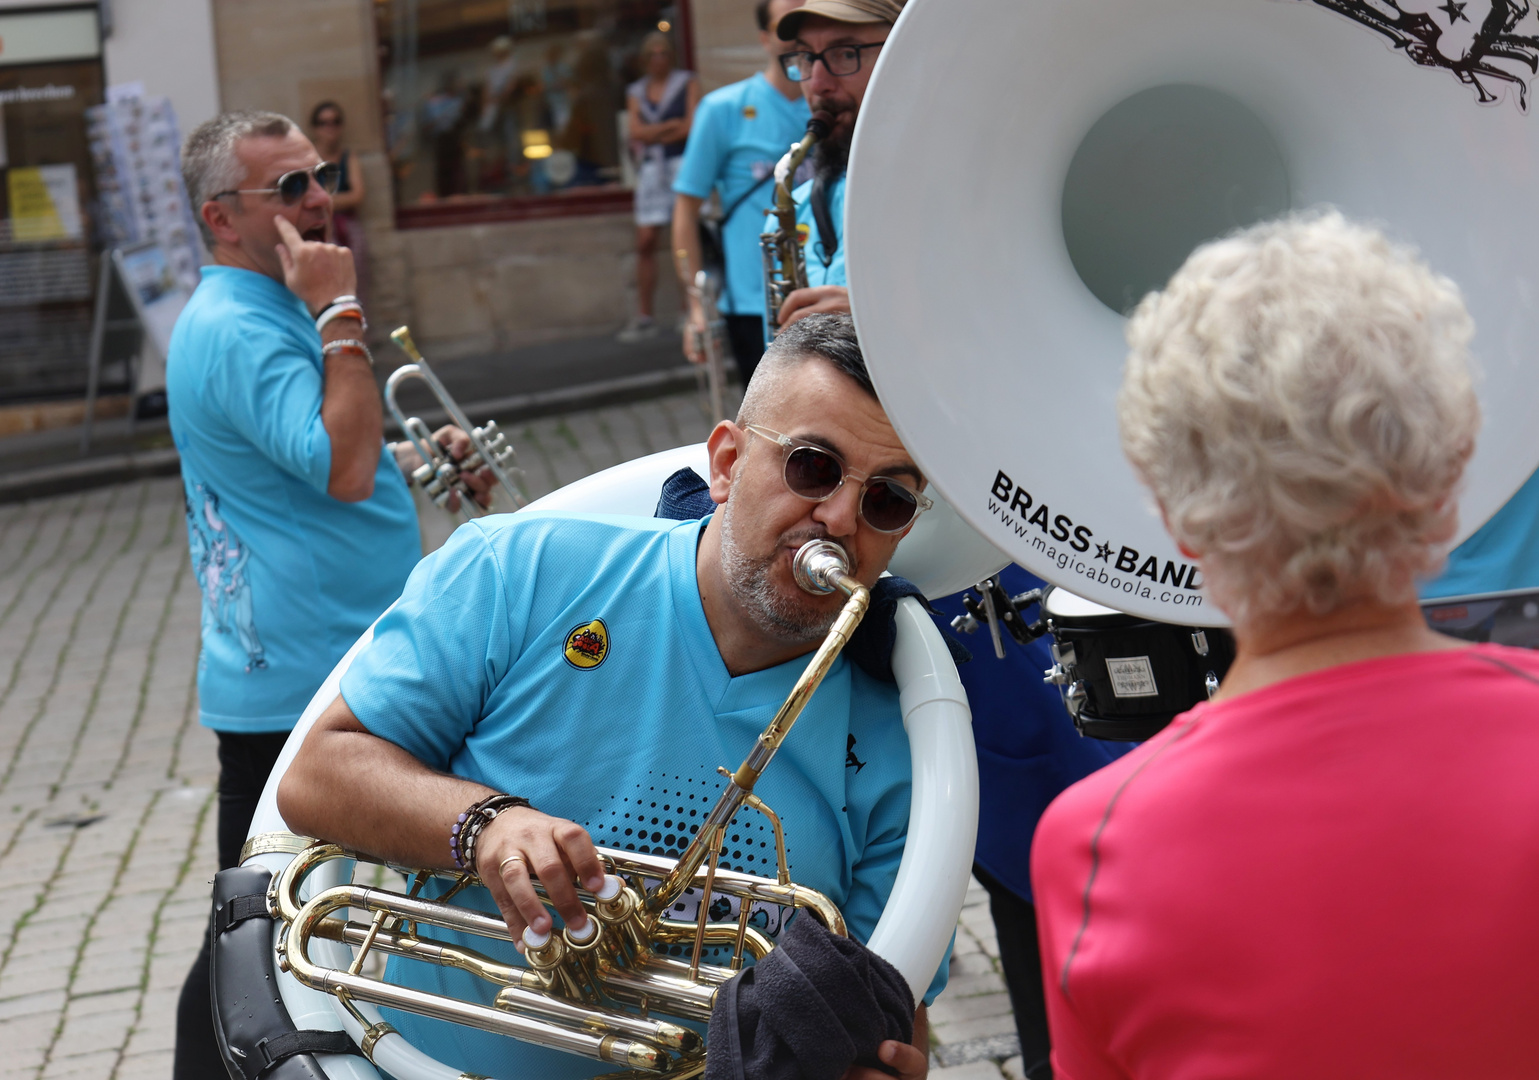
(845, 11)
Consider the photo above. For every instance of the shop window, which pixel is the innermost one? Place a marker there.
(50, 74)
(504, 109)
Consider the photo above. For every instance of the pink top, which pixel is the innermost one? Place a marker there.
(1333, 876)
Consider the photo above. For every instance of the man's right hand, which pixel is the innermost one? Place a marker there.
(315, 272)
(522, 843)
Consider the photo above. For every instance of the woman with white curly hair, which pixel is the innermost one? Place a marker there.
(1329, 869)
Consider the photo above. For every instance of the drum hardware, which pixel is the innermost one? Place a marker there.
(1123, 678)
(998, 609)
(440, 475)
(606, 994)
(785, 263)
(703, 287)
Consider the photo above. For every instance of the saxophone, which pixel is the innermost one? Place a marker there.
(785, 264)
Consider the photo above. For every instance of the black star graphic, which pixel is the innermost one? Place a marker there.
(1103, 552)
(1454, 11)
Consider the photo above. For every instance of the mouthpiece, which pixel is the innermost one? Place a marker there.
(820, 124)
(402, 337)
(819, 565)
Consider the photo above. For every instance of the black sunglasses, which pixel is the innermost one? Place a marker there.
(291, 186)
(815, 474)
(840, 60)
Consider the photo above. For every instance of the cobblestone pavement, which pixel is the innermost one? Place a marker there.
(107, 780)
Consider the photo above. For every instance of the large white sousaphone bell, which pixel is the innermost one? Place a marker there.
(1024, 172)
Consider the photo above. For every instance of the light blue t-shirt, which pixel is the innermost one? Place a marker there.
(568, 659)
(289, 575)
(820, 272)
(739, 133)
(1502, 554)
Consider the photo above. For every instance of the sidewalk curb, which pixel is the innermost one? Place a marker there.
(120, 468)
(88, 473)
(515, 408)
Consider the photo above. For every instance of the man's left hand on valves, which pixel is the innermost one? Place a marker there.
(459, 447)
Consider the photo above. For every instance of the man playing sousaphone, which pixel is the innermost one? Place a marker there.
(603, 668)
(1328, 869)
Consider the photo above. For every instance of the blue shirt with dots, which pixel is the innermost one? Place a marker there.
(567, 658)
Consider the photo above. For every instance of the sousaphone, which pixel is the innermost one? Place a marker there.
(1023, 173)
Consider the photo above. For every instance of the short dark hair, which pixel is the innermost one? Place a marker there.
(315, 113)
(761, 14)
(829, 337)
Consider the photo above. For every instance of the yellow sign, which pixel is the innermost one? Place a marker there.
(587, 645)
(44, 203)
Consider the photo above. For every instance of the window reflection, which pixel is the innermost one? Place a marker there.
(490, 99)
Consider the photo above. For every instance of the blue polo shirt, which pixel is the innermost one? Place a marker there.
(567, 658)
(739, 133)
(1502, 554)
(289, 576)
(820, 272)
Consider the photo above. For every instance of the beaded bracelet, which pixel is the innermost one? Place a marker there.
(464, 832)
(351, 345)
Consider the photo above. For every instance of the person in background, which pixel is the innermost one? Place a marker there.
(1028, 752)
(498, 123)
(660, 107)
(326, 128)
(300, 525)
(1327, 869)
(739, 133)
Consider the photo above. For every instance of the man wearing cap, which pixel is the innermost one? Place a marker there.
(740, 132)
(837, 45)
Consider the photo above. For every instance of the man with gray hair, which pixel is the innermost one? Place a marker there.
(301, 527)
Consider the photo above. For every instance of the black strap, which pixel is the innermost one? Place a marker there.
(308, 1041)
(825, 220)
(238, 909)
(744, 197)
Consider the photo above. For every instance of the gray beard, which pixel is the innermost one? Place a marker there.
(748, 578)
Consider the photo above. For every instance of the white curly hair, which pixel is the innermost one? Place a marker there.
(1300, 399)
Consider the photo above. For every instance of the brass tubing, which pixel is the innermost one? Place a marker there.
(609, 1048)
(664, 894)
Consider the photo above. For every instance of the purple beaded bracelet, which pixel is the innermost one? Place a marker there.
(464, 832)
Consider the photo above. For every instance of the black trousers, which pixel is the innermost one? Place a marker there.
(244, 764)
(1015, 924)
(745, 333)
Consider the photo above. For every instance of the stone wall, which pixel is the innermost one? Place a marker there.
(465, 289)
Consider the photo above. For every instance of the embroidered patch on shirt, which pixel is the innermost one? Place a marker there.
(750, 113)
(587, 645)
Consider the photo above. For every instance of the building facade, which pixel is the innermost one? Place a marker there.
(489, 135)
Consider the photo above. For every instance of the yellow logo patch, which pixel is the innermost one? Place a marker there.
(587, 645)
(803, 231)
(749, 112)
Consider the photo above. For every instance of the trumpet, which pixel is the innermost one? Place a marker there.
(440, 475)
(785, 264)
(703, 288)
(606, 994)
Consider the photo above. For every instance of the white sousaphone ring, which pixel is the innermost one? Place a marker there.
(989, 274)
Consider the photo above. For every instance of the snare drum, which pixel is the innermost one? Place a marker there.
(1124, 678)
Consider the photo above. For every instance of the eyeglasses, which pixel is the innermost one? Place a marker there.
(292, 186)
(840, 60)
(323, 122)
(815, 474)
